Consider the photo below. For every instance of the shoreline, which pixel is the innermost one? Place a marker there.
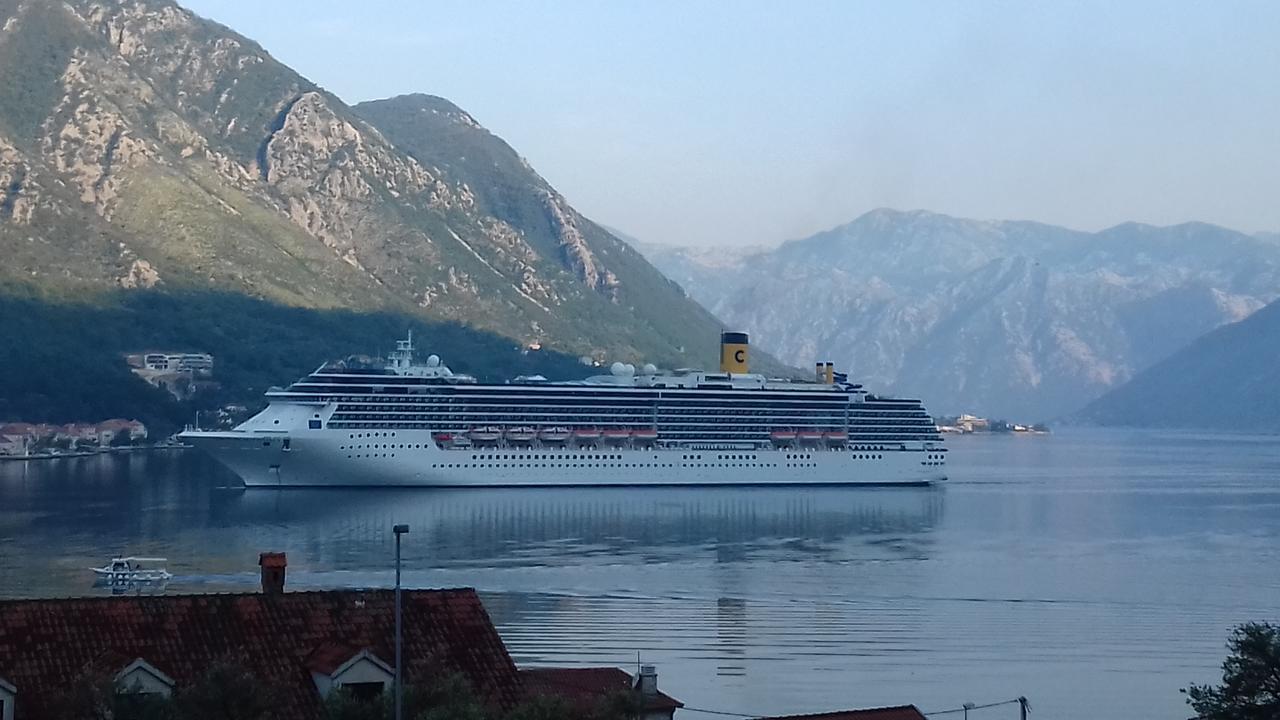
(91, 453)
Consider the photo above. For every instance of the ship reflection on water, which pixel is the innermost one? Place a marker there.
(550, 527)
(713, 580)
(718, 582)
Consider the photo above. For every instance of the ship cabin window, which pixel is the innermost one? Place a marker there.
(313, 424)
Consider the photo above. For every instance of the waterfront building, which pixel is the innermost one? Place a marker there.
(13, 445)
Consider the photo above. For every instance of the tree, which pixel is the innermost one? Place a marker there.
(1250, 687)
(541, 708)
(228, 692)
(98, 696)
(122, 438)
(445, 697)
(342, 704)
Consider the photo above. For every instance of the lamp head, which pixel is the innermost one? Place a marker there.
(400, 529)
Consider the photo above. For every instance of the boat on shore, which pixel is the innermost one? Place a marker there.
(132, 570)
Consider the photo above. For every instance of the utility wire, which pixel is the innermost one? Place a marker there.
(717, 712)
(1014, 701)
(726, 713)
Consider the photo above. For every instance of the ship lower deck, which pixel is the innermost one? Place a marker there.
(339, 458)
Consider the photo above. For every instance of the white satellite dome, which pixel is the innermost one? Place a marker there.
(618, 369)
(433, 361)
(649, 369)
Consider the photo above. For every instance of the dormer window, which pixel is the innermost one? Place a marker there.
(8, 694)
(336, 666)
(143, 678)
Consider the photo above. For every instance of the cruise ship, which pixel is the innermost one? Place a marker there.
(409, 424)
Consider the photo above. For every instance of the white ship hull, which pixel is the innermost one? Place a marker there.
(340, 458)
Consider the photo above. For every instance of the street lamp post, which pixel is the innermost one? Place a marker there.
(967, 707)
(399, 689)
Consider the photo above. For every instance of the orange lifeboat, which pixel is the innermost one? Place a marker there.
(521, 435)
(836, 438)
(616, 436)
(486, 435)
(555, 435)
(645, 436)
(782, 438)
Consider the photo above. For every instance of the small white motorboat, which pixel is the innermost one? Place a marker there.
(132, 570)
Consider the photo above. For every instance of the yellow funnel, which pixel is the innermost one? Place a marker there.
(733, 352)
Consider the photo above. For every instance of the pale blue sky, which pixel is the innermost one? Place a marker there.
(751, 122)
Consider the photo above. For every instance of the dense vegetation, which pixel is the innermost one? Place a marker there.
(64, 361)
(1250, 688)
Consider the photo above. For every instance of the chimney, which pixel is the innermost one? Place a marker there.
(273, 565)
(647, 681)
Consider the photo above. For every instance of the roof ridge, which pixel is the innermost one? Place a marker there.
(221, 594)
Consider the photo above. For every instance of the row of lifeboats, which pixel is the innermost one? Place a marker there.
(524, 435)
(489, 435)
(789, 438)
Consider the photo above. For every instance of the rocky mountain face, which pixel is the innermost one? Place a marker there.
(1012, 319)
(142, 146)
(1227, 379)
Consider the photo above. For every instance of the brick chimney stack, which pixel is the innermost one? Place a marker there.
(273, 565)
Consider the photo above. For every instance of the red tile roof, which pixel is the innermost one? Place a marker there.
(45, 644)
(332, 655)
(585, 687)
(899, 712)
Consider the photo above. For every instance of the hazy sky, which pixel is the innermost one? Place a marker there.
(741, 122)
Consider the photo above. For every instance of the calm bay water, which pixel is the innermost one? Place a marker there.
(1095, 573)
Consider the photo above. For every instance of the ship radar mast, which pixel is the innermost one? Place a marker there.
(400, 362)
(402, 359)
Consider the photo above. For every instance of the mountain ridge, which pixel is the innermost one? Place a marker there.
(144, 146)
(1010, 318)
(1225, 379)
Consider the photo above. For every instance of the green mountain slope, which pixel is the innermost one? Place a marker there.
(1227, 379)
(63, 360)
(142, 146)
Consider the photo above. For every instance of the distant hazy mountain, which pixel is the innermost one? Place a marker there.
(1014, 319)
(143, 146)
(1229, 378)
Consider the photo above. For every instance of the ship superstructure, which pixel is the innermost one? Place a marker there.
(411, 424)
